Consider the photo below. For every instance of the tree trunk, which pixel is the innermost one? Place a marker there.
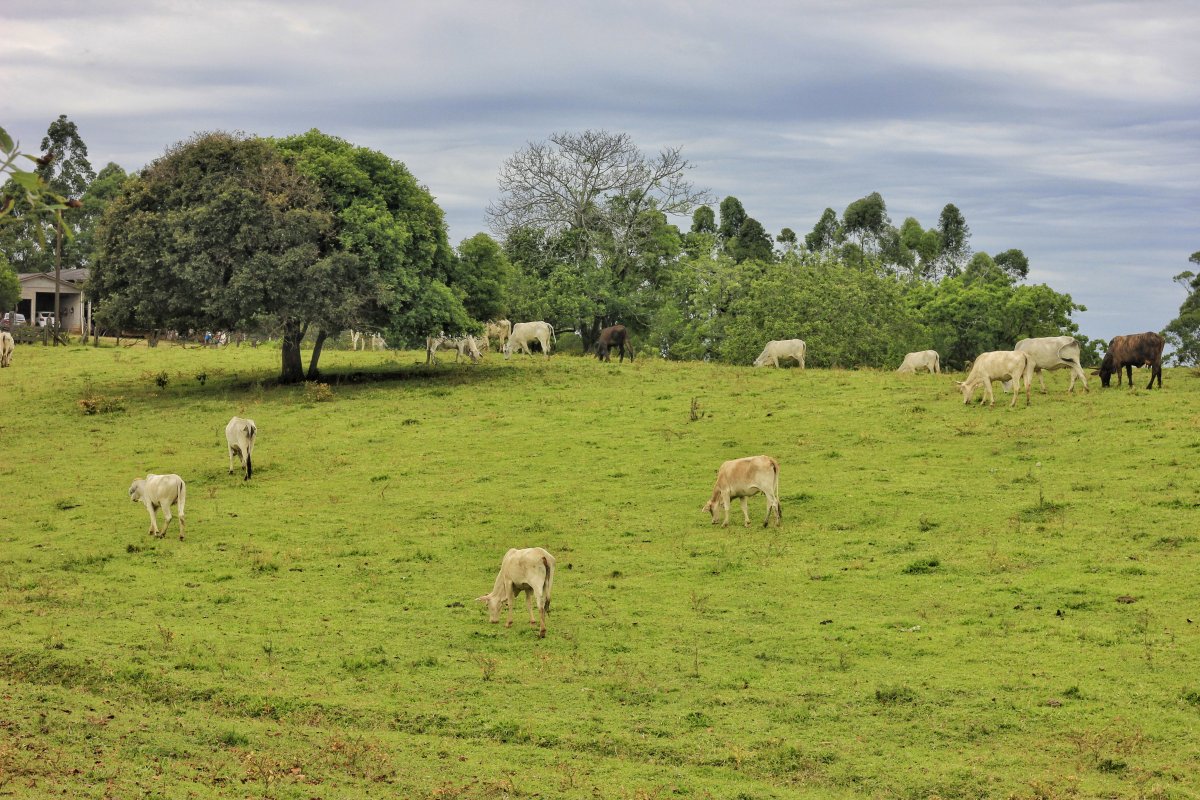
(293, 366)
(313, 373)
(591, 334)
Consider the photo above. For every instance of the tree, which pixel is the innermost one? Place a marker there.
(483, 274)
(752, 242)
(787, 237)
(1183, 332)
(10, 287)
(596, 192)
(955, 239)
(392, 240)
(925, 245)
(1014, 262)
(733, 214)
(704, 220)
(867, 218)
(221, 232)
(825, 235)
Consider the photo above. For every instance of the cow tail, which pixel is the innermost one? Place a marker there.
(547, 583)
(553, 338)
(250, 432)
(182, 497)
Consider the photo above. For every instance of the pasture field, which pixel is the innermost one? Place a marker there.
(961, 602)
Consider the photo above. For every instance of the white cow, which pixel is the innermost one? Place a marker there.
(742, 478)
(998, 365)
(239, 436)
(925, 359)
(6, 348)
(1053, 352)
(460, 344)
(525, 332)
(782, 348)
(531, 571)
(160, 491)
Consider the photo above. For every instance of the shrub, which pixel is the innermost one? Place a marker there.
(317, 392)
(101, 404)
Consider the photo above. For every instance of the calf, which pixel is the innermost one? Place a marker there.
(499, 330)
(1134, 350)
(6, 348)
(742, 478)
(239, 436)
(531, 571)
(924, 359)
(614, 336)
(782, 348)
(998, 365)
(160, 491)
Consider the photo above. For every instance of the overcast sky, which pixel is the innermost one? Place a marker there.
(1068, 130)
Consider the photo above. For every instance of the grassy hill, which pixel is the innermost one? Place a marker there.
(961, 601)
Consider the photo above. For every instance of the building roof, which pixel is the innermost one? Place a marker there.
(69, 277)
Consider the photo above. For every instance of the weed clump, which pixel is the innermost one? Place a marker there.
(922, 566)
(91, 404)
(317, 392)
(895, 695)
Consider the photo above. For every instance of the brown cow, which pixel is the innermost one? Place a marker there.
(742, 478)
(614, 336)
(1134, 350)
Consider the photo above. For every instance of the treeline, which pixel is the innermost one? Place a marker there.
(310, 235)
(860, 290)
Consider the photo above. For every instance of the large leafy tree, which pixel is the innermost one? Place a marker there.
(391, 238)
(220, 231)
(1183, 332)
(753, 242)
(733, 214)
(600, 201)
(10, 287)
(867, 220)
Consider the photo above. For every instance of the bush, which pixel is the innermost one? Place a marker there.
(101, 404)
(317, 392)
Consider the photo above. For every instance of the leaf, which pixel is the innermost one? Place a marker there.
(6, 142)
(26, 180)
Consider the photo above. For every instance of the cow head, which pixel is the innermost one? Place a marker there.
(1106, 370)
(711, 507)
(601, 350)
(967, 389)
(493, 606)
(135, 490)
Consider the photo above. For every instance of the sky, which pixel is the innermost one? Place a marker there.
(1068, 130)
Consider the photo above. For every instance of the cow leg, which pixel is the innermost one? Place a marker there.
(1042, 377)
(231, 460)
(1129, 370)
(151, 508)
(745, 511)
(770, 508)
(725, 505)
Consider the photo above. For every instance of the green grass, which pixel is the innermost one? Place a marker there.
(937, 616)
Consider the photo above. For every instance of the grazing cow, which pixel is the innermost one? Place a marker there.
(531, 571)
(498, 329)
(239, 435)
(924, 359)
(523, 333)
(160, 491)
(742, 478)
(998, 365)
(6, 348)
(1053, 352)
(1134, 350)
(782, 348)
(460, 344)
(614, 336)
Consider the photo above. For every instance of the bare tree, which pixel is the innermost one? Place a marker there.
(569, 183)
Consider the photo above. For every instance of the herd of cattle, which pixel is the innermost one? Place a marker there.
(531, 570)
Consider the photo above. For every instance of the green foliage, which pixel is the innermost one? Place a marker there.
(847, 316)
(10, 287)
(397, 262)
(704, 220)
(752, 242)
(826, 234)
(1183, 332)
(733, 214)
(29, 207)
(981, 311)
(483, 274)
(867, 219)
(955, 238)
(220, 232)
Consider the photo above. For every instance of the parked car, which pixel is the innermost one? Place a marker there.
(45, 318)
(6, 322)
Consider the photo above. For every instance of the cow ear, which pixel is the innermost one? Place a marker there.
(482, 599)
